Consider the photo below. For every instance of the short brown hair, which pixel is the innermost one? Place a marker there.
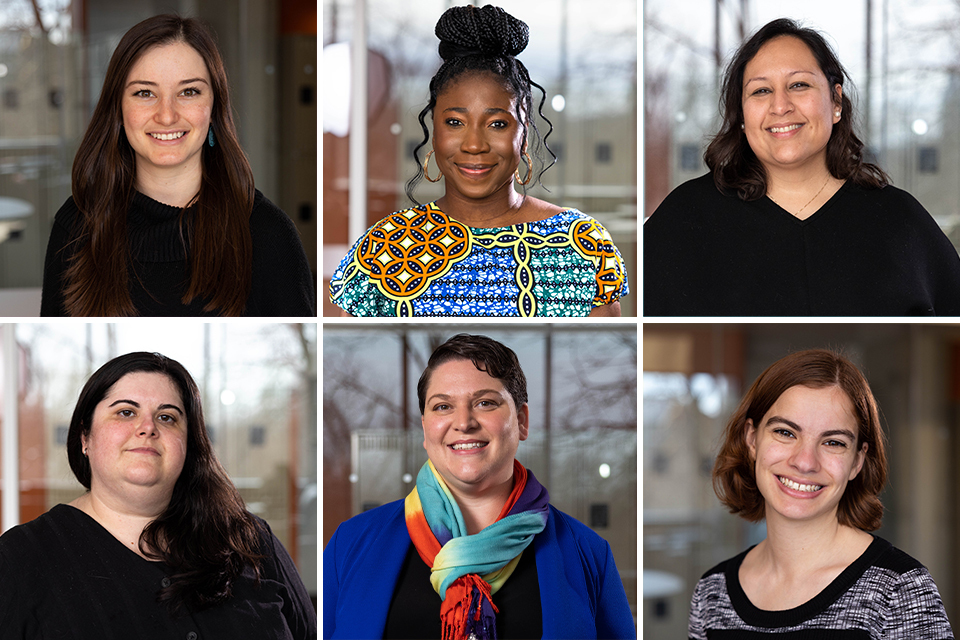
(734, 477)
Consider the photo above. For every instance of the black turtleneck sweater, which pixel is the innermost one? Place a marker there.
(282, 282)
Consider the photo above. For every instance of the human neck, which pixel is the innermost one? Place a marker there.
(124, 520)
(175, 187)
(481, 508)
(797, 548)
(500, 209)
(801, 191)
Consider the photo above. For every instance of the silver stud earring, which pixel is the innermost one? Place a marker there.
(837, 114)
(741, 125)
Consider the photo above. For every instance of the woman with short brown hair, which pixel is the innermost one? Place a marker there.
(805, 452)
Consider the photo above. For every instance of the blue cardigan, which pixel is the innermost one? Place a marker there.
(581, 594)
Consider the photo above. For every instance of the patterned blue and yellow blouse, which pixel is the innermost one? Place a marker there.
(421, 262)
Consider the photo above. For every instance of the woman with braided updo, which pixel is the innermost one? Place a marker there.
(483, 248)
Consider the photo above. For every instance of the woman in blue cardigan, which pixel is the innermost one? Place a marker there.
(475, 550)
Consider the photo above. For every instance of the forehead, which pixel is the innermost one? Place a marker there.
(171, 58)
(144, 385)
(817, 409)
(783, 54)
(461, 376)
(477, 87)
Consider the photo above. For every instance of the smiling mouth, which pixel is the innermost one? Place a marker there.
(785, 129)
(167, 136)
(468, 445)
(806, 488)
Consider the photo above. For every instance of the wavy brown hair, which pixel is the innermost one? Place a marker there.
(734, 166)
(217, 234)
(734, 477)
(206, 533)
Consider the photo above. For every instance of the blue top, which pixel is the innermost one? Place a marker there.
(581, 594)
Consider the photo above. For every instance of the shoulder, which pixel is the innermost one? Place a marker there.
(28, 542)
(68, 215)
(364, 529)
(570, 530)
(266, 216)
(702, 189)
(697, 199)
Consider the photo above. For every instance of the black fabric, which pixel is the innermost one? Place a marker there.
(415, 608)
(866, 252)
(282, 282)
(64, 577)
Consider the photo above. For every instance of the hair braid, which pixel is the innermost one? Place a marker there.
(476, 39)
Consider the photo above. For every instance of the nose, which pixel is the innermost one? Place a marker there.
(804, 458)
(781, 103)
(148, 427)
(166, 111)
(474, 141)
(466, 420)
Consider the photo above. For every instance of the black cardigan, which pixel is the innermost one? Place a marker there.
(64, 577)
(866, 252)
(282, 281)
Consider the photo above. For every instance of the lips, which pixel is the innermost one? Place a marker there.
(166, 137)
(784, 129)
(475, 170)
(145, 450)
(796, 486)
(472, 445)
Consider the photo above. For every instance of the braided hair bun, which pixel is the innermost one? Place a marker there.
(486, 31)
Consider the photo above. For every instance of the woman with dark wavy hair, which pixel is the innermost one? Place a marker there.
(164, 219)
(161, 544)
(483, 248)
(805, 452)
(791, 220)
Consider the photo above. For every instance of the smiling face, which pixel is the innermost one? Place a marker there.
(166, 105)
(476, 136)
(789, 107)
(805, 452)
(138, 436)
(471, 427)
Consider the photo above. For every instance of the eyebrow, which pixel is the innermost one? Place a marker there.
(488, 110)
(825, 434)
(154, 84)
(137, 405)
(476, 394)
(764, 78)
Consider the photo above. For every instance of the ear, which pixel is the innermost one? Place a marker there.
(751, 438)
(858, 464)
(523, 419)
(837, 102)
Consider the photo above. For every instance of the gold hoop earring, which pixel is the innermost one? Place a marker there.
(516, 173)
(425, 162)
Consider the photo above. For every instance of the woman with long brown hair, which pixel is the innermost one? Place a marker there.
(792, 219)
(164, 217)
(160, 545)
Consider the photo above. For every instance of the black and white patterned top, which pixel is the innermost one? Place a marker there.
(885, 594)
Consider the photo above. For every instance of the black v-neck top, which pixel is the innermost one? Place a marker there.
(415, 608)
(865, 252)
(64, 577)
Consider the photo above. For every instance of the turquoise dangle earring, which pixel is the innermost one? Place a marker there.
(210, 140)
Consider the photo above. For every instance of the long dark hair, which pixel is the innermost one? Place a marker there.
(729, 156)
(206, 534)
(475, 39)
(104, 175)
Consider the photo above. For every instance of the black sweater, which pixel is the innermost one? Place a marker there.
(282, 282)
(64, 577)
(866, 252)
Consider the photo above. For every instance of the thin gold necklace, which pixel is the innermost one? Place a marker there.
(799, 211)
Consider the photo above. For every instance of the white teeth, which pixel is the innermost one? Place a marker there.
(167, 136)
(470, 445)
(790, 484)
(785, 129)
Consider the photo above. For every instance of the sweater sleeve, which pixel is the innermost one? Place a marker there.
(614, 619)
(283, 284)
(12, 622)
(56, 262)
(917, 611)
(297, 608)
(695, 629)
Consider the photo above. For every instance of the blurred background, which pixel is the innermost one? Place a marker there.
(582, 387)
(259, 393)
(694, 376)
(585, 58)
(903, 57)
(53, 57)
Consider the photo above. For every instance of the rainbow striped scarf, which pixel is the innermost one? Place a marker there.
(466, 570)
